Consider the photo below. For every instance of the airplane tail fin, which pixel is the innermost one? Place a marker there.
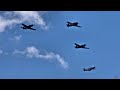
(75, 46)
(87, 48)
(68, 22)
(75, 43)
(22, 24)
(22, 27)
(33, 29)
(83, 69)
(67, 25)
(79, 26)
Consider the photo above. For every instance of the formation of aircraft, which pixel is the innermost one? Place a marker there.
(78, 45)
(89, 69)
(28, 27)
(72, 24)
(81, 46)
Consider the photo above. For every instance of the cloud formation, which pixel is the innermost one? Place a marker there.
(17, 38)
(33, 52)
(18, 52)
(1, 51)
(11, 18)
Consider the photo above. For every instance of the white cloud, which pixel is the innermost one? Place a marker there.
(49, 55)
(61, 61)
(6, 22)
(7, 19)
(33, 52)
(30, 16)
(17, 38)
(18, 52)
(1, 52)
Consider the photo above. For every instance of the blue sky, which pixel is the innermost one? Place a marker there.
(49, 51)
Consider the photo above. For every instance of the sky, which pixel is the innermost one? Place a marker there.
(49, 53)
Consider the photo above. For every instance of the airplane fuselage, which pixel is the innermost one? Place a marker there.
(89, 69)
(23, 27)
(28, 28)
(80, 46)
(72, 24)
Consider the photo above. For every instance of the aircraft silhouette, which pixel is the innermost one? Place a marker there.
(72, 24)
(81, 46)
(89, 69)
(28, 27)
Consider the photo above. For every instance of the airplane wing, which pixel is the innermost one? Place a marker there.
(87, 69)
(24, 25)
(32, 29)
(87, 48)
(92, 68)
(77, 44)
(68, 22)
(76, 22)
(30, 25)
(78, 26)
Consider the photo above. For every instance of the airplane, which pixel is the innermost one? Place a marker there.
(28, 27)
(72, 24)
(89, 69)
(81, 46)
